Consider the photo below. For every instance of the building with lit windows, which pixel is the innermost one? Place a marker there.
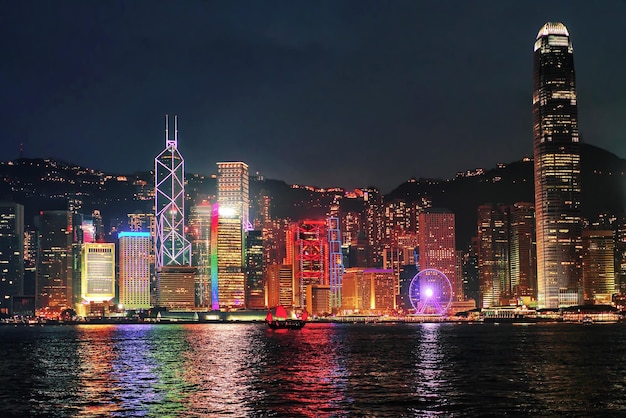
(255, 288)
(307, 252)
(557, 168)
(54, 256)
(177, 287)
(233, 188)
(98, 272)
(11, 253)
(493, 255)
(317, 299)
(598, 266)
(437, 245)
(369, 290)
(233, 197)
(199, 232)
(134, 260)
(279, 285)
(523, 251)
(230, 263)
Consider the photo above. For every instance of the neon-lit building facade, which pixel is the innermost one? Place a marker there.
(255, 288)
(98, 272)
(215, 301)
(233, 197)
(557, 168)
(134, 260)
(172, 248)
(437, 245)
(199, 228)
(308, 251)
(335, 264)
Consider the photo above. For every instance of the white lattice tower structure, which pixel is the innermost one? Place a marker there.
(172, 248)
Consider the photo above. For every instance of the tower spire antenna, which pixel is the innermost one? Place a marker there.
(167, 135)
(176, 130)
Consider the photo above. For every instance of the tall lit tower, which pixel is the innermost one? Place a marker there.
(335, 262)
(437, 245)
(11, 253)
(308, 254)
(233, 198)
(557, 168)
(200, 219)
(172, 248)
(134, 262)
(233, 189)
(54, 255)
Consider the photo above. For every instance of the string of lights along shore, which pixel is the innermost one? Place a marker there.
(233, 245)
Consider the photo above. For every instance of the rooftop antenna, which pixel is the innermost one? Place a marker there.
(167, 136)
(176, 130)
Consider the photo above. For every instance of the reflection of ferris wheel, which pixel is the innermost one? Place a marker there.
(430, 292)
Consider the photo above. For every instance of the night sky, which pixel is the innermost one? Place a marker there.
(325, 93)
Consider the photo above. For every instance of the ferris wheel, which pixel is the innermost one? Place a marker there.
(430, 292)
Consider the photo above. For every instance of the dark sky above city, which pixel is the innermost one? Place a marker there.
(325, 93)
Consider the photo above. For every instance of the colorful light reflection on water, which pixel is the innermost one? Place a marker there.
(247, 370)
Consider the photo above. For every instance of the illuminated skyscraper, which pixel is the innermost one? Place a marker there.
(228, 246)
(523, 251)
(134, 256)
(11, 253)
(307, 252)
(98, 272)
(233, 197)
(172, 248)
(54, 268)
(557, 168)
(146, 222)
(233, 189)
(335, 262)
(493, 255)
(437, 245)
(255, 291)
(200, 234)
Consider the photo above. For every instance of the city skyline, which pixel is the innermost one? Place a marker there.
(329, 94)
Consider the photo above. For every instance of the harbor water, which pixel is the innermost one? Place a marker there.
(322, 370)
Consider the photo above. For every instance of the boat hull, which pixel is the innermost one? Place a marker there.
(286, 324)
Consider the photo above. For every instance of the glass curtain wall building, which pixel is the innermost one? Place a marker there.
(557, 168)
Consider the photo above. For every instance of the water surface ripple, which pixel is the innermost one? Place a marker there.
(323, 370)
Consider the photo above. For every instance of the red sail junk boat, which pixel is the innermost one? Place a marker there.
(280, 319)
